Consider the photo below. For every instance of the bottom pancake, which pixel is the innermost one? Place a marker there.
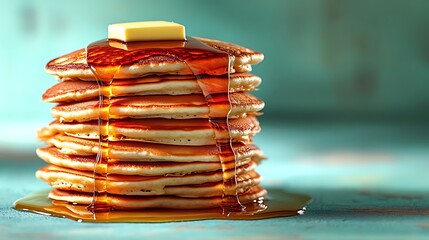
(144, 202)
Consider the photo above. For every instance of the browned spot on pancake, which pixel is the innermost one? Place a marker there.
(55, 153)
(73, 60)
(77, 60)
(233, 49)
(71, 107)
(71, 87)
(245, 100)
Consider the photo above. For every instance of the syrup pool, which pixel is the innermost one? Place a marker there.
(279, 203)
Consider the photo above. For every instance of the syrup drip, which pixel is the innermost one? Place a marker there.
(230, 200)
(104, 76)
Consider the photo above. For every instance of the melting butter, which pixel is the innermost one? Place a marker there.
(147, 31)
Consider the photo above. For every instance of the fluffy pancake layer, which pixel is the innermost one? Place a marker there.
(74, 65)
(160, 106)
(89, 163)
(67, 179)
(76, 90)
(158, 130)
(150, 152)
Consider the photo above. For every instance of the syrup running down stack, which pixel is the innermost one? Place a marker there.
(147, 131)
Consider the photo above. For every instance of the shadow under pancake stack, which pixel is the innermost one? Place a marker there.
(154, 126)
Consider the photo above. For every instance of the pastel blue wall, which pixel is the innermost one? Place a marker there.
(323, 58)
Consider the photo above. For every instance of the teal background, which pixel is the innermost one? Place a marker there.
(346, 86)
(322, 58)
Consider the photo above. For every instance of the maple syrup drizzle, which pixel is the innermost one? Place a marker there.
(230, 200)
(104, 76)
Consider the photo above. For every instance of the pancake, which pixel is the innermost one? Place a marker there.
(73, 180)
(89, 163)
(157, 126)
(153, 202)
(161, 106)
(74, 65)
(166, 131)
(76, 90)
(149, 152)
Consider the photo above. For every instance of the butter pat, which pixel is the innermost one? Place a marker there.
(147, 31)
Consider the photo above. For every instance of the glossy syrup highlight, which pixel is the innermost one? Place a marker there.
(104, 77)
(230, 199)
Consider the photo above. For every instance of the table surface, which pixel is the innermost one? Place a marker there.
(366, 180)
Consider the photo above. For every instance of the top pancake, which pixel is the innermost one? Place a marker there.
(74, 65)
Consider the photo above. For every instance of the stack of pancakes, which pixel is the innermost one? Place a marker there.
(162, 144)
